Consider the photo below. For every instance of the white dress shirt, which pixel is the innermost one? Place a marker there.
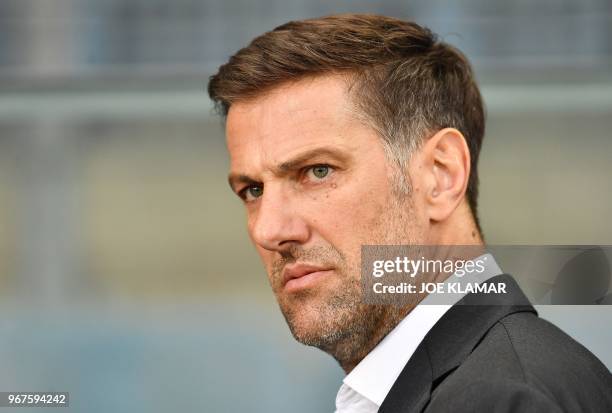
(366, 386)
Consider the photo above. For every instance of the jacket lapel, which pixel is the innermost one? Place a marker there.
(450, 342)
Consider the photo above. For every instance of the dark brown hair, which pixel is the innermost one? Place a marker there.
(405, 82)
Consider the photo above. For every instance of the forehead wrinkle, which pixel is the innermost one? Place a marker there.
(305, 120)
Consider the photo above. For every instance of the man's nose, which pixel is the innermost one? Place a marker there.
(277, 224)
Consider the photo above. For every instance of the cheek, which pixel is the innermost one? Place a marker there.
(351, 215)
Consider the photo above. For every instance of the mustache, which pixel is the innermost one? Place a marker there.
(318, 255)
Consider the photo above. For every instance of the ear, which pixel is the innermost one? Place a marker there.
(446, 161)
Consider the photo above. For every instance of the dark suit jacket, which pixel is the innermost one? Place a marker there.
(499, 357)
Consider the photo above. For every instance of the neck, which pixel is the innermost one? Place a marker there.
(353, 348)
(459, 229)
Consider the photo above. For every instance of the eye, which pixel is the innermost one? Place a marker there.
(251, 192)
(319, 171)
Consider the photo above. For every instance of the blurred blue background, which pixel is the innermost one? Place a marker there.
(126, 276)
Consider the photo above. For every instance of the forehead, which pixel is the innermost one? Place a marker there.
(308, 111)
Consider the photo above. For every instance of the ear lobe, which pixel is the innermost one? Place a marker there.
(449, 160)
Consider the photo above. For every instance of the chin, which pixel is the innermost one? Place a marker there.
(316, 322)
(314, 334)
(302, 318)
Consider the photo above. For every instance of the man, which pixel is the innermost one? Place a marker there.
(359, 130)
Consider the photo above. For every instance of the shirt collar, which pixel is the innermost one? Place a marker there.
(374, 376)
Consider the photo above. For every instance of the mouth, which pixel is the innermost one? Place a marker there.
(302, 276)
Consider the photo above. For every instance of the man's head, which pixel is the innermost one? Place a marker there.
(345, 131)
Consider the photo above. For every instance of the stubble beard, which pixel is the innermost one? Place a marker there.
(336, 320)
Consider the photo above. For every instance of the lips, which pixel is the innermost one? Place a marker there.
(300, 276)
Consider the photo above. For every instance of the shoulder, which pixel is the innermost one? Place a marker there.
(525, 359)
(550, 358)
(492, 395)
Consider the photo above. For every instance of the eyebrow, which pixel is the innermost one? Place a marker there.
(289, 165)
(302, 158)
